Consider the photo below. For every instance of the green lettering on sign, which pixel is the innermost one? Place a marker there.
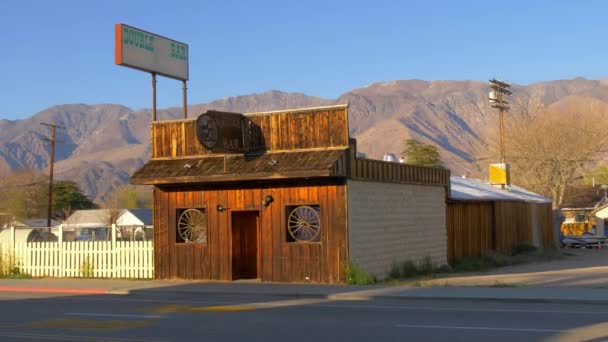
(178, 51)
(138, 39)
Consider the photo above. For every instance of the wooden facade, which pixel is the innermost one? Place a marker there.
(475, 227)
(279, 260)
(306, 159)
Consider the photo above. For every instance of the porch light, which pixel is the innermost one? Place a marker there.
(221, 208)
(267, 200)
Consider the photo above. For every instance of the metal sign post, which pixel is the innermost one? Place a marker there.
(153, 96)
(184, 98)
(158, 55)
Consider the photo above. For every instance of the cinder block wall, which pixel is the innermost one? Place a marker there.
(390, 223)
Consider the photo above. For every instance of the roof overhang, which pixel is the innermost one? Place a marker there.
(239, 167)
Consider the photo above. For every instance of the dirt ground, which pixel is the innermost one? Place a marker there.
(576, 268)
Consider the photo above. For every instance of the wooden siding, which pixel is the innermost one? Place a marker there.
(475, 227)
(545, 220)
(325, 127)
(309, 130)
(470, 229)
(387, 172)
(281, 261)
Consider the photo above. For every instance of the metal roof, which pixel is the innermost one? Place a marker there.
(475, 189)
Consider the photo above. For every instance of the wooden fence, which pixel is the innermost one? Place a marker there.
(475, 227)
(91, 259)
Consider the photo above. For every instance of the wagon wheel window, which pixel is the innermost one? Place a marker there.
(192, 225)
(304, 223)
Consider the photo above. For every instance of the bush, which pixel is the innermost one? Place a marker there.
(426, 266)
(523, 248)
(395, 271)
(356, 276)
(484, 262)
(445, 268)
(86, 268)
(408, 268)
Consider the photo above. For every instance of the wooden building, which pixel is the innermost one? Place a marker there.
(287, 202)
(483, 218)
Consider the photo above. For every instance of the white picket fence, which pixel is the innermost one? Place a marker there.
(95, 259)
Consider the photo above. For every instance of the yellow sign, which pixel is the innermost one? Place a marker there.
(499, 174)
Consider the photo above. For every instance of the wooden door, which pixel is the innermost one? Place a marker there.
(245, 245)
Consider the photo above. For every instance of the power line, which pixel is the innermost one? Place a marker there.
(497, 100)
(51, 162)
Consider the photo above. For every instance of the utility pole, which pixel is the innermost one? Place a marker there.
(51, 162)
(497, 100)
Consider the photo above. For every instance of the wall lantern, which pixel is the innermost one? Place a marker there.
(267, 200)
(221, 208)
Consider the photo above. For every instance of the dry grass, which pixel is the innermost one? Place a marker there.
(10, 266)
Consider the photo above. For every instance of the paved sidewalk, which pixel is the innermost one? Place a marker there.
(577, 268)
(526, 294)
(117, 286)
(331, 292)
(591, 277)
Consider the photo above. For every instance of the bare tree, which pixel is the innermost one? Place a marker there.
(551, 149)
(526, 106)
(23, 194)
(110, 214)
(124, 197)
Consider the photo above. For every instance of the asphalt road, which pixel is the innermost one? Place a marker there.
(237, 317)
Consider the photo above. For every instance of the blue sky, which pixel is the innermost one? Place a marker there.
(56, 52)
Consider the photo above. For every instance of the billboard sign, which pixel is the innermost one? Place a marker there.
(150, 52)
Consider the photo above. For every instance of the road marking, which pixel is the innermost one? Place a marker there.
(83, 324)
(112, 315)
(161, 301)
(69, 338)
(458, 309)
(476, 328)
(190, 308)
(235, 308)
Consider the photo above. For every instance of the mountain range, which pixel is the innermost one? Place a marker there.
(101, 145)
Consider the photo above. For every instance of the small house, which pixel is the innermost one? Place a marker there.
(134, 224)
(89, 224)
(580, 207)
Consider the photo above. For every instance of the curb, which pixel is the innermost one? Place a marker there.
(343, 296)
(230, 293)
(355, 297)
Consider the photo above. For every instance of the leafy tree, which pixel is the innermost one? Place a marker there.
(67, 194)
(421, 154)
